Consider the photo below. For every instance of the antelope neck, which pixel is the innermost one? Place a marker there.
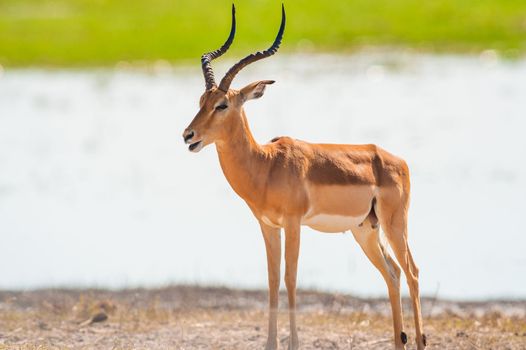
(242, 160)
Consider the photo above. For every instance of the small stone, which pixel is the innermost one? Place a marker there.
(43, 325)
(99, 317)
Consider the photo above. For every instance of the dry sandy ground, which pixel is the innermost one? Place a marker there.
(184, 317)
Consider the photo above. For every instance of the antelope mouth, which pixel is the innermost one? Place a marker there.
(196, 146)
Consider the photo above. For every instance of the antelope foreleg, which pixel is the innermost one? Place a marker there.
(272, 238)
(292, 246)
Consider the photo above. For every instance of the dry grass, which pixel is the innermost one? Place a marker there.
(208, 318)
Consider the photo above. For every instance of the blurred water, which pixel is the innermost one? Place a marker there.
(97, 188)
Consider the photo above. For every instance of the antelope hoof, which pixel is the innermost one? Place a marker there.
(293, 343)
(403, 337)
(271, 345)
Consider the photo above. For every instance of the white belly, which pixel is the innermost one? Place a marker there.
(333, 223)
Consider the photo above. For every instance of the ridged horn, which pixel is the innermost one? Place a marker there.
(229, 76)
(208, 72)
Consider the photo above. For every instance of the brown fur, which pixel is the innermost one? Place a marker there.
(288, 182)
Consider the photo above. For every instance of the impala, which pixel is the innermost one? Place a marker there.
(288, 183)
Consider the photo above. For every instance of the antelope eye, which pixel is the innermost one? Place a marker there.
(221, 107)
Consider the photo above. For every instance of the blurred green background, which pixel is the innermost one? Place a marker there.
(103, 32)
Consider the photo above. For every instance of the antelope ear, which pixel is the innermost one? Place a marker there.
(254, 90)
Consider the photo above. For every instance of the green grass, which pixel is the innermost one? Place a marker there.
(103, 32)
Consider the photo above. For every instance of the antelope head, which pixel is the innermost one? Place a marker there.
(220, 107)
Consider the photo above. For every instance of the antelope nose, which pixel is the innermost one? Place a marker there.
(188, 134)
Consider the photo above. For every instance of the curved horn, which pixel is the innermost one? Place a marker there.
(229, 76)
(208, 57)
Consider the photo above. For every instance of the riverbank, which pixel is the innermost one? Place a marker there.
(187, 317)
